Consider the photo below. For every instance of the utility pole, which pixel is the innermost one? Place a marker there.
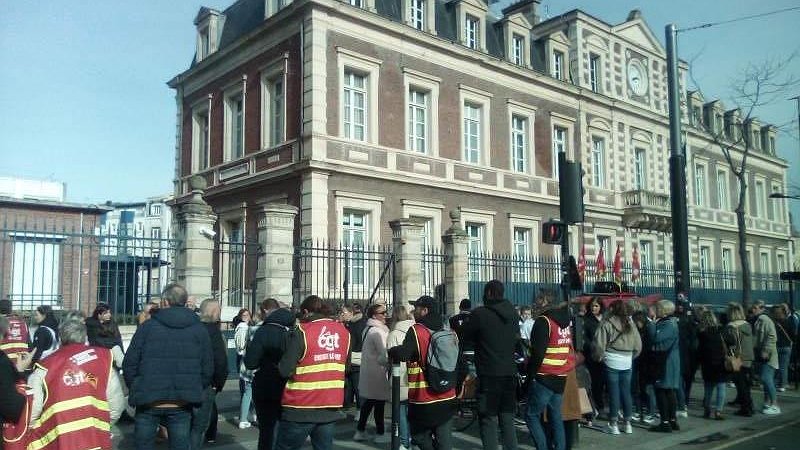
(677, 171)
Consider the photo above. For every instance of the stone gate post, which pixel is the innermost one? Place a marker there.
(456, 278)
(195, 221)
(407, 248)
(274, 273)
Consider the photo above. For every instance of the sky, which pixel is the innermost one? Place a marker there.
(84, 97)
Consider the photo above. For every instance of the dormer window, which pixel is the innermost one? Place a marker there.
(208, 29)
(697, 115)
(471, 30)
(756, 143)
(771, 148)
(205, 44)
(518, 50)
(558, 65)
(594, 72)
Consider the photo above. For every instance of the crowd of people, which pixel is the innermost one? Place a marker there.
(302, 369)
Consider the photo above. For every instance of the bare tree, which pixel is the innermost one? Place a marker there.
(756, 86)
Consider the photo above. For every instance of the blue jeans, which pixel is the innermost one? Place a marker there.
(619, 390)
(402, 424)
(719, 403)
(247, 402)
(179, 423)
(201, 416)
(540, 397)
(768, 380)
(680, 394)
(292, 435)
(784, 355)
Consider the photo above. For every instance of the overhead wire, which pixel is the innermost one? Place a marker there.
(738, 19)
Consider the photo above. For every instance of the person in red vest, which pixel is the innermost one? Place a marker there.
(430, 413)
(13, 414)
(16, 338)
(77, 394)
(552, 358)
(315, 363)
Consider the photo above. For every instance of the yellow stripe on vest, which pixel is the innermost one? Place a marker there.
(316, 368)
(66, 405)
(554, 362)
(312, 385)
(557, 350)
(414, 370)
(8, 345)
(417, 384)
(69, 427)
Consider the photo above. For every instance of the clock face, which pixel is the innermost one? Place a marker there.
(637, 77)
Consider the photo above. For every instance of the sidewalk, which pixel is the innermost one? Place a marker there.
(701, 434)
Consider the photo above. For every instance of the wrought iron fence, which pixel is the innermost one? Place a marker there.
(75, 269)
(343, 274)
(432, 272)
(525, 276)
(234, 275)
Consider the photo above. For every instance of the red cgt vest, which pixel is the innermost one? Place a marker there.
(75, 414)
(15, 435)
(16, 339)
(418, 392)
(318, 380)
(559, 357)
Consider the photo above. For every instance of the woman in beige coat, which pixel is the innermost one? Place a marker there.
(373, 384)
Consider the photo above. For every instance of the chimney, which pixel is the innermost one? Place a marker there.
(528, 8)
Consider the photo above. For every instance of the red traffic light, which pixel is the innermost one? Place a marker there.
(554, 232)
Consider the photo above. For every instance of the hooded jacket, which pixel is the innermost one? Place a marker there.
(540, 336)
(265, 351)
(43, 337)
(169, 359)
(494, 330)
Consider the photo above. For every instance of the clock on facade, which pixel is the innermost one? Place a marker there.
(637, 77)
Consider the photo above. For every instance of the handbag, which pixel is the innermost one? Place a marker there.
(733, 360)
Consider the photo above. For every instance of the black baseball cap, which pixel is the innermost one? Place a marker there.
(425, 301)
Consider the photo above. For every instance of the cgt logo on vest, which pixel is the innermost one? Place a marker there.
(329, 342)
(564, 336)
(74, 379)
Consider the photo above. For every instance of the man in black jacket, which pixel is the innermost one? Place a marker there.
(264, 353)
(167, 368)
(201, 415)
(494, 330)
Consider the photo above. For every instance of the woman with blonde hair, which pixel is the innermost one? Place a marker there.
(712, 352)
(664, 338)
(740, 331)
(401, 322)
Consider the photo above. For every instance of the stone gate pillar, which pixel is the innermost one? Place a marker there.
(274, 273)
(456, 276)
(195, 221)
(407, 248)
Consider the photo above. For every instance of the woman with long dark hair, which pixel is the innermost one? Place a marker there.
(45, 339)
(712, 364)
(591, 321)
(102, 331)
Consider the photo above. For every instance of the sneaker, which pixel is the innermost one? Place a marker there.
(402, 447)
(781, 389)
(682, 413)
(243, 425)
(360, 436)
(627, 428)
(772, 410)
(651, 419)
(636, 417)
(612, 428)
(382, 439)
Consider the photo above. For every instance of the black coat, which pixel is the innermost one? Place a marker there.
(169, 359)
(12, 401)
(265, 351)
(220, 355)
(42, 338)
(712, 355)
(495, 331)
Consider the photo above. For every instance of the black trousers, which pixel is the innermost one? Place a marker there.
(667, 404)
(367, 404)
(497, 403)
(743, 379)
(268, 411)
(597, 373)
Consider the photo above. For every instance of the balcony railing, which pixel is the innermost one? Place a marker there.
(646, 199)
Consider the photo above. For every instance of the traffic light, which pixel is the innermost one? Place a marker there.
(570, 186)
(554, 232)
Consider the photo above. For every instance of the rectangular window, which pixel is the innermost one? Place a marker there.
(645, 254)
(727, 268)
(472, 133)
(234, 112)
(781, 267)
(518, 50)
(594, 72)
(277, 111)
(603, 244)
(200, 130)
(155, 233)
(36, 272)
(355, 106)
(234, 287)
(640, 169)
(559, 145)
(771, 145)
(418, 14)
(155, 210)
(519, 143)
(418, 121)
(777, 203)
(205, 44)
(354, 236)
(471, 25)
(763, 267)
(427, 263)
(723, 201)
(705, 259)
(522, 254)
(697, 115)
(699, 185)
(761, 209)
(558, 65)
(756, 141)
(357, 3)
(475, 249)
(598, 162)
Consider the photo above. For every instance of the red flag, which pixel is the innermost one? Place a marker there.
(582, 263)
(600, 264)
(636, 273)
(617, 268)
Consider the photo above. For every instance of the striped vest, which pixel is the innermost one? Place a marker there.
(75, 414)
(418, 392)
(16, 339)
(559, 357)
(15, 435)
(318, 380)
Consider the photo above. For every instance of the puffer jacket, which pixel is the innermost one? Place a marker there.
(169, 359)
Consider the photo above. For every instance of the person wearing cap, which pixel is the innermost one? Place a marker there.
(430, 413)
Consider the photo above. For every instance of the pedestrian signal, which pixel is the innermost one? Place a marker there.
(554, 232)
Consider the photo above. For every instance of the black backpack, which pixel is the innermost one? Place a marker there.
(440, 365)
